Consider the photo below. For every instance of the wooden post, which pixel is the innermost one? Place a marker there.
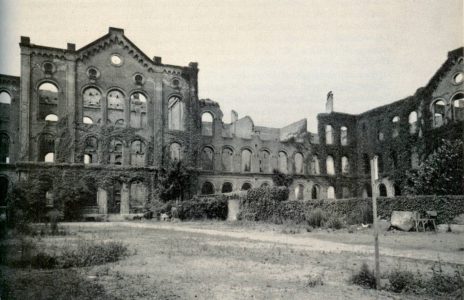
(374, 178)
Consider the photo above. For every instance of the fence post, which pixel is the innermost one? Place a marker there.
(374, 178)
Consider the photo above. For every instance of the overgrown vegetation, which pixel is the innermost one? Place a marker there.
(365, 277)
(442, 172)
(213, 207)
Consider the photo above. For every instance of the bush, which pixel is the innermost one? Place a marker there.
(442, 283)
(263, 203)
(365, 277)
(316, 218)
(334, 222)
(203, 208)
(92, 253)
(402, 280)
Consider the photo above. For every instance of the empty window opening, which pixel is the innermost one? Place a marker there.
(226, 187)
(5, 98)
(330, 192)
(207, 188)
(328, 135)
(207, 124)
(344, 136)
(330, 165)
(246, 161)
(87, 120)
(51, 118)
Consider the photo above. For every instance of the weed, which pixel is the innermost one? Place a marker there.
(364, 277)
(314, 280)
(402, 280)
(334, 222)
(93, 253)
(316, 218)
(443, 283)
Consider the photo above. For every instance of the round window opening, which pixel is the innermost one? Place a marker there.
(116, 60)
(175, 82)
(458, 78)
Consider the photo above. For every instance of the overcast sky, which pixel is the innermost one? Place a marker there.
(272, 60)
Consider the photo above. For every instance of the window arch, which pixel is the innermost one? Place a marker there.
(382, 190)
(246, 160)
(396, 189)
(330, 192)
(87, 159)
(87, 120)
(118, 123)
(4, 148)
(226, 187)
(457, 103)
(264, 161)
(412, 120)
(92, 97)
(315, 170)
(227, 158)
(345, 165)
(115, 100)
(367, 191)
(343, 135)
(49, 157)
(138, 110)
(299, 192)
(5, 97)
(175, 152)
(46, 147)
(328, 134)
(116, 147)
(283, 162)
(299, 163)
(207, 158)
(48, 93)
(175, 113)
(330, 167)
(207, 188)
(138, 151)
(90, 150)
(396, 126)
(438, 111)
(246, 186)
(207, 124)
(51, 118)
(315, 192)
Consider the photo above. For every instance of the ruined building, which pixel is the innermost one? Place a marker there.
(116, 115)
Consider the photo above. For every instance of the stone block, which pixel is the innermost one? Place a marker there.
(403, 220)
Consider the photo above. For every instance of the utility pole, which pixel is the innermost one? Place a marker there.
(374, 179)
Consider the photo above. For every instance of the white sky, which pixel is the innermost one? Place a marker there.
(272, 60)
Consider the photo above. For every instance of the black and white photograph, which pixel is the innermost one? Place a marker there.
(247, 149)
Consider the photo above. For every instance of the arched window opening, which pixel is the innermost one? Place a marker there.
(397, 190)
(346, 192)
(207, 159)
(264, 161)
(315, 170)
(380, 163)
(264, 184)
(3, 190)
(175, 113)
(114, 198)
(299, 164)
(366, 164)
(87, 120)
(396, 126)
(138, 150)
(87, 159)
(226, 187)
(345, 165)
(48, 93)
(330, 165)
(330, 192)
(283, 167)
(116, 152)
(438, 110)
(4, 148)
(138, 109)
(343, 136)
(51, 118)
(118, 123)
(315, 192)
(227, 157)
(115, 100)
(49, 157)
(328, 135)
(367, 191)
(246, 186)
(299, 192)
(207, 124)
(382, 190)
(176, 152)
(246, 161)
(138, 194)
(92, 97)
(5, 98)
(412, 119)
(458, 106)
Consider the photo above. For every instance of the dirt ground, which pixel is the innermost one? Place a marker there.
(222, 260)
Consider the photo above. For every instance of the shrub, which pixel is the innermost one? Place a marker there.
(93, 253)
(314, 280)
(334, 222)
(402, 280)
(442, 283)
(203, 208)
(316, 218)
(365, 277)
(264, 203)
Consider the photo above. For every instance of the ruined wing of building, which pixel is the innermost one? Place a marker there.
(110, 111)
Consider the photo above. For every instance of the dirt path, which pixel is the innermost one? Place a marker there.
(295, 241)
